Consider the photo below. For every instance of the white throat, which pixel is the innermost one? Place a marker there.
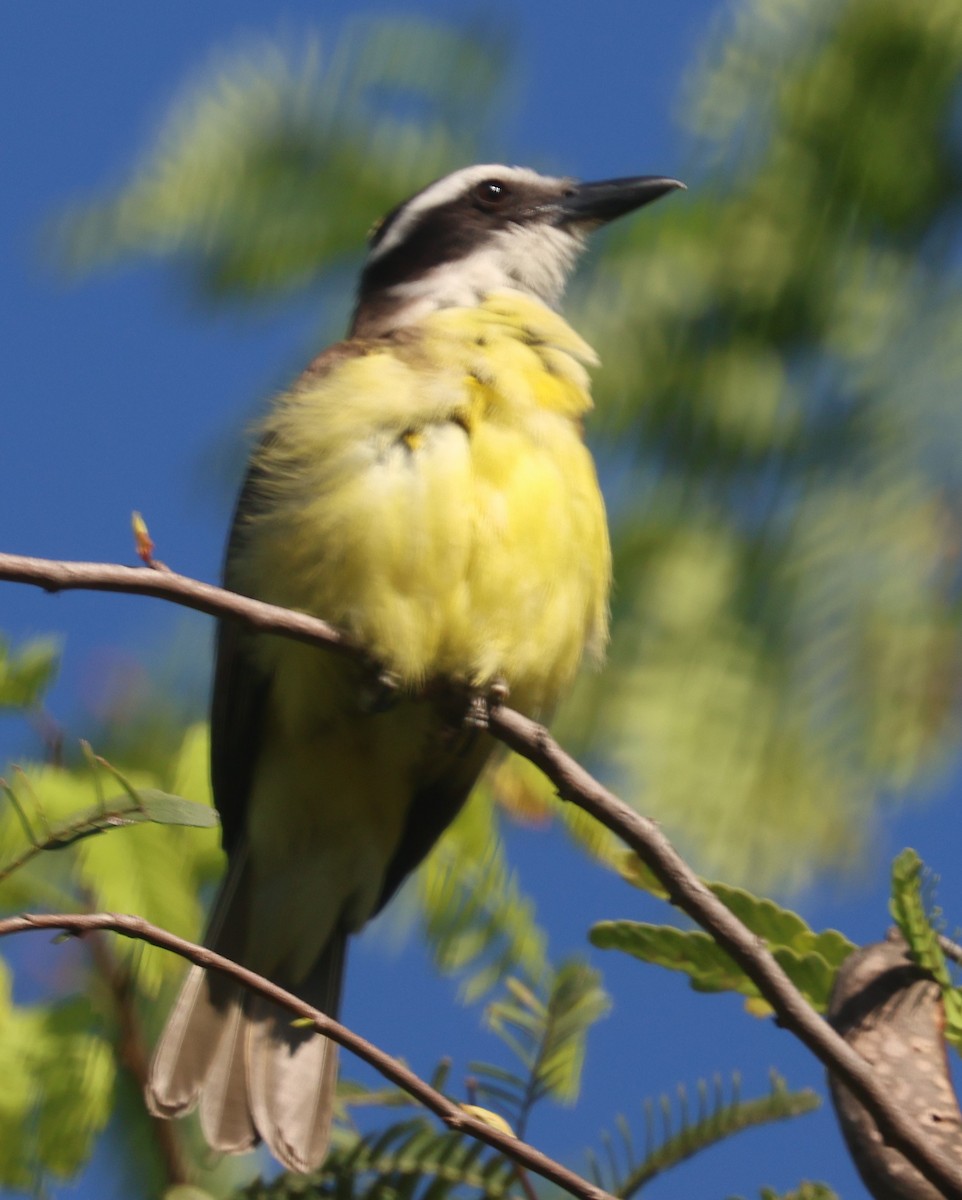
(533, 259)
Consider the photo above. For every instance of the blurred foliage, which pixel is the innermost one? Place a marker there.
(274, 165)
(26, 674)
(779, 402)
(410, 1160)
(479, 922)
(544, 1033)
(778, 429)
(57, 1068)
(410, 1157)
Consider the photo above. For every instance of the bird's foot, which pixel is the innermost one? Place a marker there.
(481, 702)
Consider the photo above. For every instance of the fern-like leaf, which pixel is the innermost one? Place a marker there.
(410, 1160)
(809, 958)
(908, 908)
(547, 1035)
(478, 921)
(809, 1190)
(715, 1119)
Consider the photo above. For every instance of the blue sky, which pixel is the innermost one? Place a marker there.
(114, 390)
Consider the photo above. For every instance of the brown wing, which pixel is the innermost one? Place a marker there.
(241, 686)
(449, 778)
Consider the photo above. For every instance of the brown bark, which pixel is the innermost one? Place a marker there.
(890, 1011)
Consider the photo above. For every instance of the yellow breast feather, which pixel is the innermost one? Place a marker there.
(432, 494)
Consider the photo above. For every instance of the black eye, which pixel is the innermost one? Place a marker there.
(490, 193)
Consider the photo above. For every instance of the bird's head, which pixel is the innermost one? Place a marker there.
(483, 229)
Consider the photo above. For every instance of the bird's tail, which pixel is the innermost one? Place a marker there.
(253, 1074)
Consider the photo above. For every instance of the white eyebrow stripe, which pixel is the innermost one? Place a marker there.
(443, 191)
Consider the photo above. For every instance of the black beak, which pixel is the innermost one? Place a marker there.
(596, 203)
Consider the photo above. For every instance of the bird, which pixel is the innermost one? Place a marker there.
(425, 486)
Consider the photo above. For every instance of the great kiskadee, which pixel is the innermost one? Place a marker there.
(425, 486)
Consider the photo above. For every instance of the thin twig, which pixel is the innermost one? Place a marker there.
(951, 950)
(449, 1112)
(526, 1185)
(532, 741)
(167, 585)
(62, 836)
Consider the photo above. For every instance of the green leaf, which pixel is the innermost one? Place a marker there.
(132, 808)
(777, 925)
(709, 968)
(27, 674)
(781, 927)
(908, 908)
(165, 809)
(153, 870)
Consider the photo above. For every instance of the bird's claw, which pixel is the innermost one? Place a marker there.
(481, 703)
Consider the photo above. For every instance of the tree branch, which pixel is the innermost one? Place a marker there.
(532, 741)
(450, 1113)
